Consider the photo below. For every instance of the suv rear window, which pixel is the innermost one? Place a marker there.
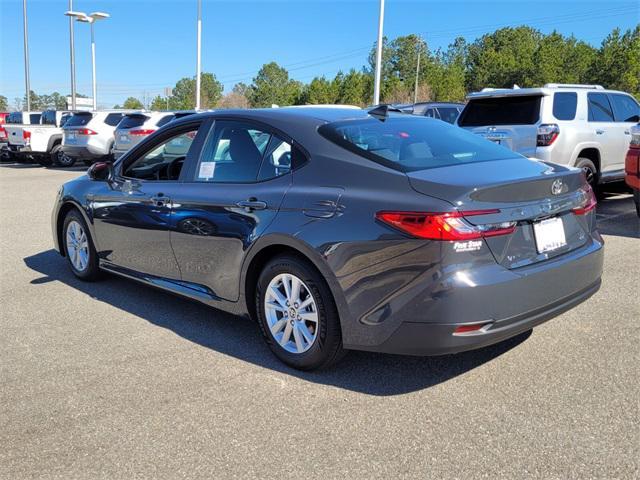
(164, 120)
(79, 120)
(113, 119)
(131, 121)
(564, 105)
(512, 110)
(413, 143)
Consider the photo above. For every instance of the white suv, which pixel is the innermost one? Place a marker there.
(88, 136)
(584, 126)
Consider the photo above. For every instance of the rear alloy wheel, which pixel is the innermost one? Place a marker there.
(590, 171)
(79, 249)
(297, 314)
(61, 159)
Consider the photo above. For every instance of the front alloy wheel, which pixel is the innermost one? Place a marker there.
(77, 246)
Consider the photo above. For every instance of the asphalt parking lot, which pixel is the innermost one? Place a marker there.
(117, 380)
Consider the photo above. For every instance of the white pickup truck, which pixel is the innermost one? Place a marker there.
(39, 141)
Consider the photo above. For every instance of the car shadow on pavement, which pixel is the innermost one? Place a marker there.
(239, 337)
(81, 167)
(616, 215)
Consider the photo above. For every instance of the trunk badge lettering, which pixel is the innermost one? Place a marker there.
(556, 187)
(470, 246)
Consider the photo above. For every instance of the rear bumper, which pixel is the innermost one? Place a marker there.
(83, 152)
(632, 168)
(505, 302)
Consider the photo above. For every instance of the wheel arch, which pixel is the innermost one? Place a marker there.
(592, 152)
(271, 246)
(65, 208)
(53, 141)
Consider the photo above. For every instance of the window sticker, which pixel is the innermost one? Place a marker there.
(206, 170)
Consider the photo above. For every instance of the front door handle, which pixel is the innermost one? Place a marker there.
(599, 132)
(160, 200)
(252, 204)
(627, 132)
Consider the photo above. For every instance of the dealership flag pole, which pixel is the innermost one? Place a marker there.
(73, 59)
(26, 55)
(376, 85)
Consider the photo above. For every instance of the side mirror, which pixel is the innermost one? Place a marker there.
(101, 171)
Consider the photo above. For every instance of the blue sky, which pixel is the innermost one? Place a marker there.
(147, 45)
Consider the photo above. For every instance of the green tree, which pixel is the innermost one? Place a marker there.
(355, 88)
(159, 103)
(184, 93)
(320, 91)
(4, 104)
(617, 62)
(272, 86)
(133, 103)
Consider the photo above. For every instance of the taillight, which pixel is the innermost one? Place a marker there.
(85, 131)
(26, 135)
(547, 134)
(3, 133)
(141, 132)
(635, 136)
(588, 201)
(445, 226)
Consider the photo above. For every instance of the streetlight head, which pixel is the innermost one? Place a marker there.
(99, 15)
(72, 13)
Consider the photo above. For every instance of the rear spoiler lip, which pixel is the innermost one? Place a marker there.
(509, 93)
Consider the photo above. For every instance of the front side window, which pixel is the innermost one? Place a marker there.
(413, 143)
(599, 108)
(564, 105)
(625, 108)
(34, 118)
(165, 160)
(234, 151)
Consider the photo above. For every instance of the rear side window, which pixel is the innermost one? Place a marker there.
(164, 120)
(564, 105)
(448, 114)
(625, 108)
(34, 118)
(79, 120)
(131, 121)
(15, 117)
(49, 117)
(512, 110)
(413, 143)
(113, 119)
(599, 108)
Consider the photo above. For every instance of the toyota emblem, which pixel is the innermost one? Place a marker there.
(556, 187)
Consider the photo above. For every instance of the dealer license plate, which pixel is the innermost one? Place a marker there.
(549, 234)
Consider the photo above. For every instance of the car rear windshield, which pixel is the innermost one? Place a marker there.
(512, 110)
(413, 143)
(131, 121)
(15, 117)
(79, 120)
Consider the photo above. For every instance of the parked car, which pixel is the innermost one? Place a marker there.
(41, 142)
(4, 146)
(584, 126)
(632, 165)
(88, 136)
(445, 111)
(17, 119)
(136, 126)
(347, 229)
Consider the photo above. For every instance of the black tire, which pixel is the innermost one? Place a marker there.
(60, 159)
(92, 271)
(590, 171)
(327, 348)
(636, 199)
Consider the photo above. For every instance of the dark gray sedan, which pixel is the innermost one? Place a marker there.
(340, 229)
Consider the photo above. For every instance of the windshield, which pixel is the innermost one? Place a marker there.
(413, 143)
(511, 110)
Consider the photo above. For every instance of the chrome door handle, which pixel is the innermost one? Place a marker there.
(599, 132)
(252, 204)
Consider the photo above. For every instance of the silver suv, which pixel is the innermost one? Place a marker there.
(88, 136)
(584, 126)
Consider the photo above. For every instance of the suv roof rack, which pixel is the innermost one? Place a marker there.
(572, 85)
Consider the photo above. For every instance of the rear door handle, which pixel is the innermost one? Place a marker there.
(627, 132)
(599, 132)
(252, 204)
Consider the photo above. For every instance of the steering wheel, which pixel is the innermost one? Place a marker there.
(174, 168)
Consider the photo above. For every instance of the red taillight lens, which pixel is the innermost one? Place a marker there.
(445, 226)
(462, 329)
(26, 135)
(85, 131)
(3, 133)
(141, 132)
(588, 202)
(547, 134)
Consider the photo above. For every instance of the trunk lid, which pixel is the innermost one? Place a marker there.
(517, 190)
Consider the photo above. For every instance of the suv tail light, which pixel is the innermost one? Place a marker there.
(3, 133)
(547, 134)
(85, 131)
(635, 136)
(445, 226)
(588, 201)
(147, 131)
(26, 135)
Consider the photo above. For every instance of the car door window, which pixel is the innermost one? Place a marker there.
(277, 159)
(233, 153)
(625, 108)
(163, 161)
(599, 108)
(430, 113)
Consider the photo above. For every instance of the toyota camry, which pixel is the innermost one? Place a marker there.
(340, 229)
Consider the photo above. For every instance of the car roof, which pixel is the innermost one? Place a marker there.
(546, 90)
(439, 104)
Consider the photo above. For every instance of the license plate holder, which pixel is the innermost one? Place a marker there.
(549, 234)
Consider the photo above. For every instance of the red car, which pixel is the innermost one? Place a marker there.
(632, 166)
(3, 135)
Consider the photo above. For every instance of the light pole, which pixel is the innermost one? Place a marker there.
(415, 93)
(91, 19)
(378, 75)
(198, 53)
(27, 83)
(72, 53)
